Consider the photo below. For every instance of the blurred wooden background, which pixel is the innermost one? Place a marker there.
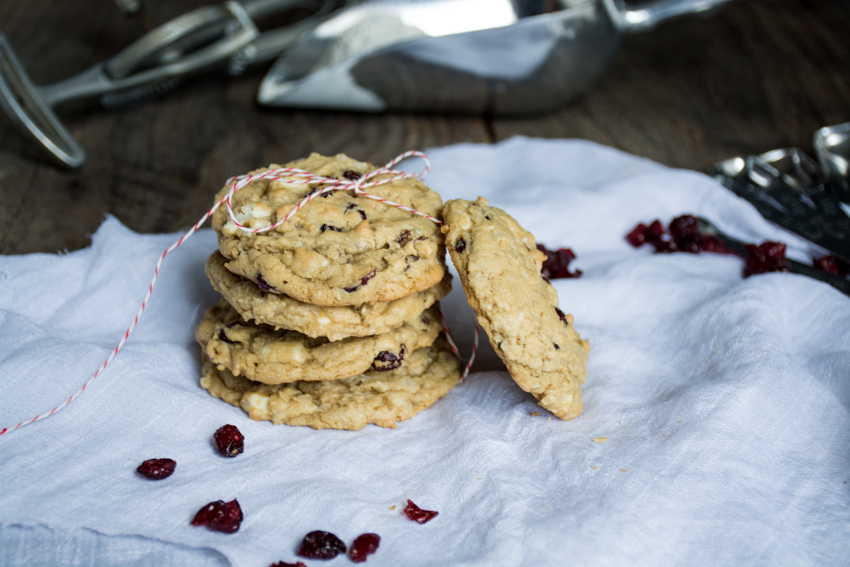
(754, 76)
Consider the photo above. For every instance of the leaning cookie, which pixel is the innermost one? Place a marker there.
(499, 266)
(382, 398)
(335, 323)
(340, 248)
(263, 354)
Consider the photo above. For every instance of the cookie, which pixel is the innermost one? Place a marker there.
(263, 354)
(340, 248)
(499, 266)
(382, 398)
(335, 323)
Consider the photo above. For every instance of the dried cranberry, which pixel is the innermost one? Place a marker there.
(264, 285)
(331, 227)
(657, 236)
(683, 236)
(220, 516)
(417, 514)
(363, 282)
(637, 237)
(764, 258)
(655, 230)
(832, 265)
(460, 245)
(229, 441)
(403, 237)
(363, 546)
(284, 564)
(557, 263)
(351, 175)
(556, 346)
(157, 469)
(321, 545)
(426, 320)
(685, 233)
(387, 360)
(654, 234)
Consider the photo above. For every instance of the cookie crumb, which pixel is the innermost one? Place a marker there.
(600, 439)
(594, 467)
(535, 413)
(624, 470)
(392, 507)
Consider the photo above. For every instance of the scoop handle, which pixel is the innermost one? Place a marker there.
(651, 14)
(22, 103)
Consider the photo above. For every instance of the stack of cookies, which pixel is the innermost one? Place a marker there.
(330, 320)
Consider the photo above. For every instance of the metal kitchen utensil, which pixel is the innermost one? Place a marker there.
(480, 56)
(841, 284)
(204, 39)
(832, 146)
(789, 189)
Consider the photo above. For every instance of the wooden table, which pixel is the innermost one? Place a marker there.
(753, 77)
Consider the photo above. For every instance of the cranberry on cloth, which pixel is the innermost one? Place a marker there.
(724, 402)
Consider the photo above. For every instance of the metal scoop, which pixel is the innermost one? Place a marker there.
(207, 38)
(496, 56)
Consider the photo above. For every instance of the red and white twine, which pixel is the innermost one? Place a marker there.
(290, 176)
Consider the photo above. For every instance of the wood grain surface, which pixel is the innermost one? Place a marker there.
(752, 77)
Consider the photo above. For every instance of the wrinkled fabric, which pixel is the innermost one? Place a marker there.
(722, 401)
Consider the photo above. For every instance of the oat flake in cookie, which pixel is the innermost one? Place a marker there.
(499, 266)
(335, 323)
(341, 248)
(263, 354)
(382, 398)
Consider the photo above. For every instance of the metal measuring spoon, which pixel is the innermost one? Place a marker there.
(740, 248)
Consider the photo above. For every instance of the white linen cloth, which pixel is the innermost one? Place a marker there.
(724, 402)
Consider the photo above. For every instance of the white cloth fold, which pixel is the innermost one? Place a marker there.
(724, 402)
